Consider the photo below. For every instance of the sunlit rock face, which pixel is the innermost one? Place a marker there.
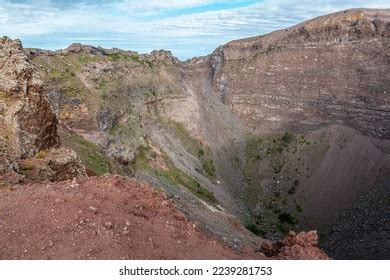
(334, 69)
(27, 121)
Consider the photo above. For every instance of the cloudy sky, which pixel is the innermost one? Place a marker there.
(186, 27)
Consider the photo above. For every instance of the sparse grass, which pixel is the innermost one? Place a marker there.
(287, 218)
(287, 138)
(3, 94)
(270, 148)
(178, 177)
(293, 188)
(255, 229)
(196, 148)
(265, 158)
(172, 174)
(277, 165)
(193, 146)
(279, 144)
(86, 58)
(253, 148)
(141, 162)
(236, 162)
(120, 56)
(41, 154)
(115, 57)
(115, 130)
(136, 58)
(55, 74)
(90, 153)
(298, 208)
(125, 57)
(209, 168)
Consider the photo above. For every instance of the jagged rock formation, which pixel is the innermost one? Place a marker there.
(27, 118)
(284, 130)
(28, 124)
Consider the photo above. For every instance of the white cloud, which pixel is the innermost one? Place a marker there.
(258, 18)
(122, 21)
(163, 5)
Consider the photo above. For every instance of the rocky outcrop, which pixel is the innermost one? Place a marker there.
(28, 124)
(53, 165)
(301, 246)
(27, 119)
(63, 164)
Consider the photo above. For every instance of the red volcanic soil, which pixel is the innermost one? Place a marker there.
(107, 217)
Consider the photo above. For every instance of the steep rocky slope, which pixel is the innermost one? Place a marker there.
(284, 130)
(310, 108)
(332, 69)
(363, 228)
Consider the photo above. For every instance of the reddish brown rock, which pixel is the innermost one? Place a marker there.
(295, 246)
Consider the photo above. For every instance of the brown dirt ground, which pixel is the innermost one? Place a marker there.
(109, 217)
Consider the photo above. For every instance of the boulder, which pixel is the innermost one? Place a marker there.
(295, 246)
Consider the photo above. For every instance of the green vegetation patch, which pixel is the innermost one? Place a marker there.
(279, 144)
(255, 229)
(115, 57)
(196, 148)
(253, 148)
(89, 153)
(178, 177)
(209, 168)
(172, 174)
(287, 218)
(298, 208)
(87, 58)
(265, 159)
